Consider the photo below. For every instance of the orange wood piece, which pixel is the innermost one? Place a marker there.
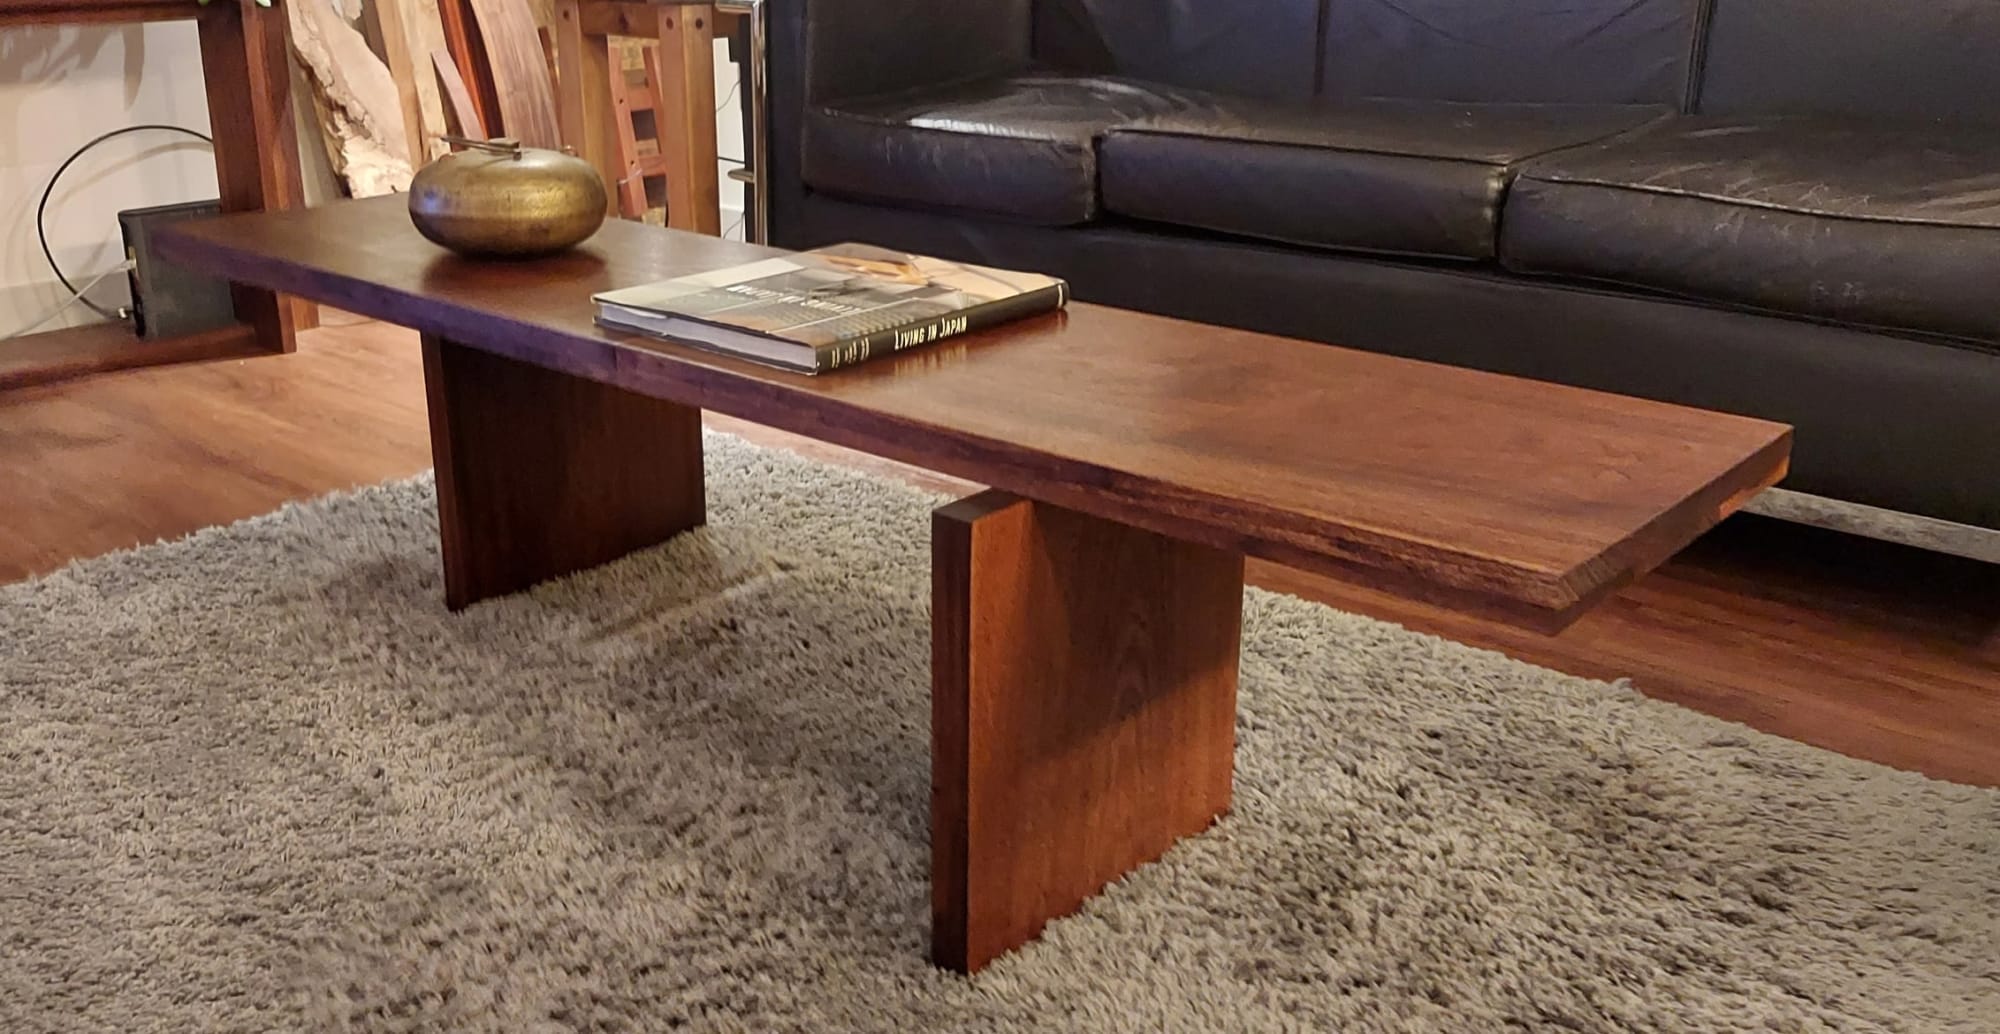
(628, 102)
(685, 75)
(101, 347)
(583, 101)
(468, 52)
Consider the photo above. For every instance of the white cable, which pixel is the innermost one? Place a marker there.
(121, 267)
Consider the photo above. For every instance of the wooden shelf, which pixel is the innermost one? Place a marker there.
(100, 347)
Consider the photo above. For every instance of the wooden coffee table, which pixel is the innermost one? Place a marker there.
(1086, 611)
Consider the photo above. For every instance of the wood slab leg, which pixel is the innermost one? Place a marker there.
(1083, 708)
(541, 474)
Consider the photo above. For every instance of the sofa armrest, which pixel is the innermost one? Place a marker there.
(819, 51)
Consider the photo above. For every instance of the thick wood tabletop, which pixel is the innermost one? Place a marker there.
(1506, 496)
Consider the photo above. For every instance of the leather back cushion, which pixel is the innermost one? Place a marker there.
(1253, 48)
(1531, 51)
(1904, 59)
(856, 48)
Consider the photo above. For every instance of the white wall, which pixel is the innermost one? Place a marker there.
(60, 86)
(729, 138)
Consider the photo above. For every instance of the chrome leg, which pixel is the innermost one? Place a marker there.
(1930, 533)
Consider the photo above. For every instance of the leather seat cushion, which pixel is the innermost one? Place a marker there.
(1894, 226)
(1422, 178)
(1020, 147)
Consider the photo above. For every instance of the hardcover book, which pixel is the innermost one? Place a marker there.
(820, 310)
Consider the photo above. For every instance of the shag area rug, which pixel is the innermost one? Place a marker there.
(260, 779)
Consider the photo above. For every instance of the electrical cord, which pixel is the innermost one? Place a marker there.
(75, 297)
(734, 88)
(41, 211)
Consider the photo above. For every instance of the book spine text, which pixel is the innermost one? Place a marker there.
(979, 317)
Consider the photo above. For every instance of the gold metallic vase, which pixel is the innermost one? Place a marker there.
(501, 200)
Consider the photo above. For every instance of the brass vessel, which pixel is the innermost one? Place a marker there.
(499, 199)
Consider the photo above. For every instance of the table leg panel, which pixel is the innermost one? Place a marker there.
(542, 474)
(1083, 711)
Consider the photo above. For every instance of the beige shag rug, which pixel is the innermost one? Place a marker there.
(261, 780)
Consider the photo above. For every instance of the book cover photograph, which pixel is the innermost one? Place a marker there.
(830, 307)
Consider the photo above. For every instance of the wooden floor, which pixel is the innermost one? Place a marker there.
(1874, 650)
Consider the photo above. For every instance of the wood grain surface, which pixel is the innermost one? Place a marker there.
(540, 474)
(411, 31)
(49, 12)
(246, 66)
(684, 70)
(1083, 710)
(99, 347)
(122, 459)
(629, 99)
(463, 113)
(520, 70)
(468, 52)
(583, 94)
(1871, 649)
(1503, 496)
(634, 19)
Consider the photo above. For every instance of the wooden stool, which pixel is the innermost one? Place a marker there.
(642, 155)
(685, 72)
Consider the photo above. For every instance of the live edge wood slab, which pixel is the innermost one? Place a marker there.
(1086, 612)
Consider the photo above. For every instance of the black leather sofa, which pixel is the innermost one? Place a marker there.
(1786, 208)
